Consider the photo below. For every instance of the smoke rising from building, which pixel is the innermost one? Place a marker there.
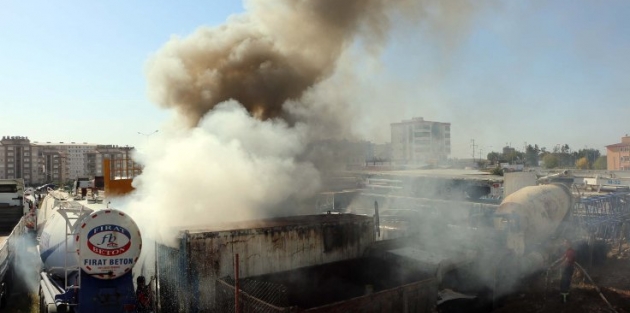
(277, 51)
(250, 96)
(230, 167)
(263, 58)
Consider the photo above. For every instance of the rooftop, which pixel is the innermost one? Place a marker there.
(298, 220)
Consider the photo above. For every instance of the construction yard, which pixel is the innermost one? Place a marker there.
(612, 277)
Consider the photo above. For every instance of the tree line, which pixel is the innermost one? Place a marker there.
(559, 156)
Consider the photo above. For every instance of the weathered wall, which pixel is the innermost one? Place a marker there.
(299, 242)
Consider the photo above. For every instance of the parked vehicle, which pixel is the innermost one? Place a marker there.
(12, 203)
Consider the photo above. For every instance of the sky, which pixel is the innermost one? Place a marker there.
(501, 72)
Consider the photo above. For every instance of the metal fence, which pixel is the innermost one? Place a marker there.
(253, 296)
(265, 297)
(604, 216)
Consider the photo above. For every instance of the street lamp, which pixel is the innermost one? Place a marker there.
(148, 134)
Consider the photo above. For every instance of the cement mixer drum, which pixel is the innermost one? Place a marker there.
(536, 212)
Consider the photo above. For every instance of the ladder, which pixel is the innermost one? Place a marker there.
(68, 251)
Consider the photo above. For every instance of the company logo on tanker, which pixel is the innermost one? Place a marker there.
(109, 240)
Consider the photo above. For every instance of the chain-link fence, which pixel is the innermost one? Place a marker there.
(253, 296)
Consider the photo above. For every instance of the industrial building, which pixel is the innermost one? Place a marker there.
(417, 141)
(279, 263)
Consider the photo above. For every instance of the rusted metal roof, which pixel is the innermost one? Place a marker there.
(297, 220)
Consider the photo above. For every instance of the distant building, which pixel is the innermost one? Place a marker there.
(508, 150)
(94, 159)
(51, 162)
(71, 154)
(17, 160)
(417, 141)
(618, 155)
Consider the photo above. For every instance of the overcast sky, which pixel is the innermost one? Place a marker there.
(504, 73)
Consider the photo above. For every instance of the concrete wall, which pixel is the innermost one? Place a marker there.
(517, 180)
(274, 246)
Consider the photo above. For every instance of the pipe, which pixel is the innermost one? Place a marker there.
(596, 288)
(236, 308)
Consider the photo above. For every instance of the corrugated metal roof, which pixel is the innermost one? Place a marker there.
(298, 220)
(442, 173)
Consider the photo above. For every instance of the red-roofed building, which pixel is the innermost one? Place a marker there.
(618, 155)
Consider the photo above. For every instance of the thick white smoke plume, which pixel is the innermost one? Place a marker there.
(250, 97)
(230, 167)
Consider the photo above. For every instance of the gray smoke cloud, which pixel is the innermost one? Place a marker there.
(278, 50)
(263, 58)
(251, 95)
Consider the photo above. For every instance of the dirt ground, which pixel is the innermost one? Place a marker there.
(612, 277)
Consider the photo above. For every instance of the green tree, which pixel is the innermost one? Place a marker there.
(494, 157)
(512, 157)
(582, 163)
(531, 155)
(601, 163)
(551, 160)
(497, 171)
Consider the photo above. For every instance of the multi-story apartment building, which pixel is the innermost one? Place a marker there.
(417, 141)
(17, 159)
(618, 155)
(94, 159)
(39, 163)
(72, 154)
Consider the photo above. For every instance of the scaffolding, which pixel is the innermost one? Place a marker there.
(119, 173)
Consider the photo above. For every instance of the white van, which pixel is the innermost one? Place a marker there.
(12, 203)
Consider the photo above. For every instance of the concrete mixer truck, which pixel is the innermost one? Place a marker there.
(529, 219)
(87, 260)
(532, 215)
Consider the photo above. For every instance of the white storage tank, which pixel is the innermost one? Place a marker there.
(104, 244)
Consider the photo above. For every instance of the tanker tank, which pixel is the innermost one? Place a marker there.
(88, 256)
(54, 240)
(51, 203)
(532, 215)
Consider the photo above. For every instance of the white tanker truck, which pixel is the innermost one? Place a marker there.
(87, 261)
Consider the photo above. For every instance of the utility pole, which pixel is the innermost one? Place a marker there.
(473, 147)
